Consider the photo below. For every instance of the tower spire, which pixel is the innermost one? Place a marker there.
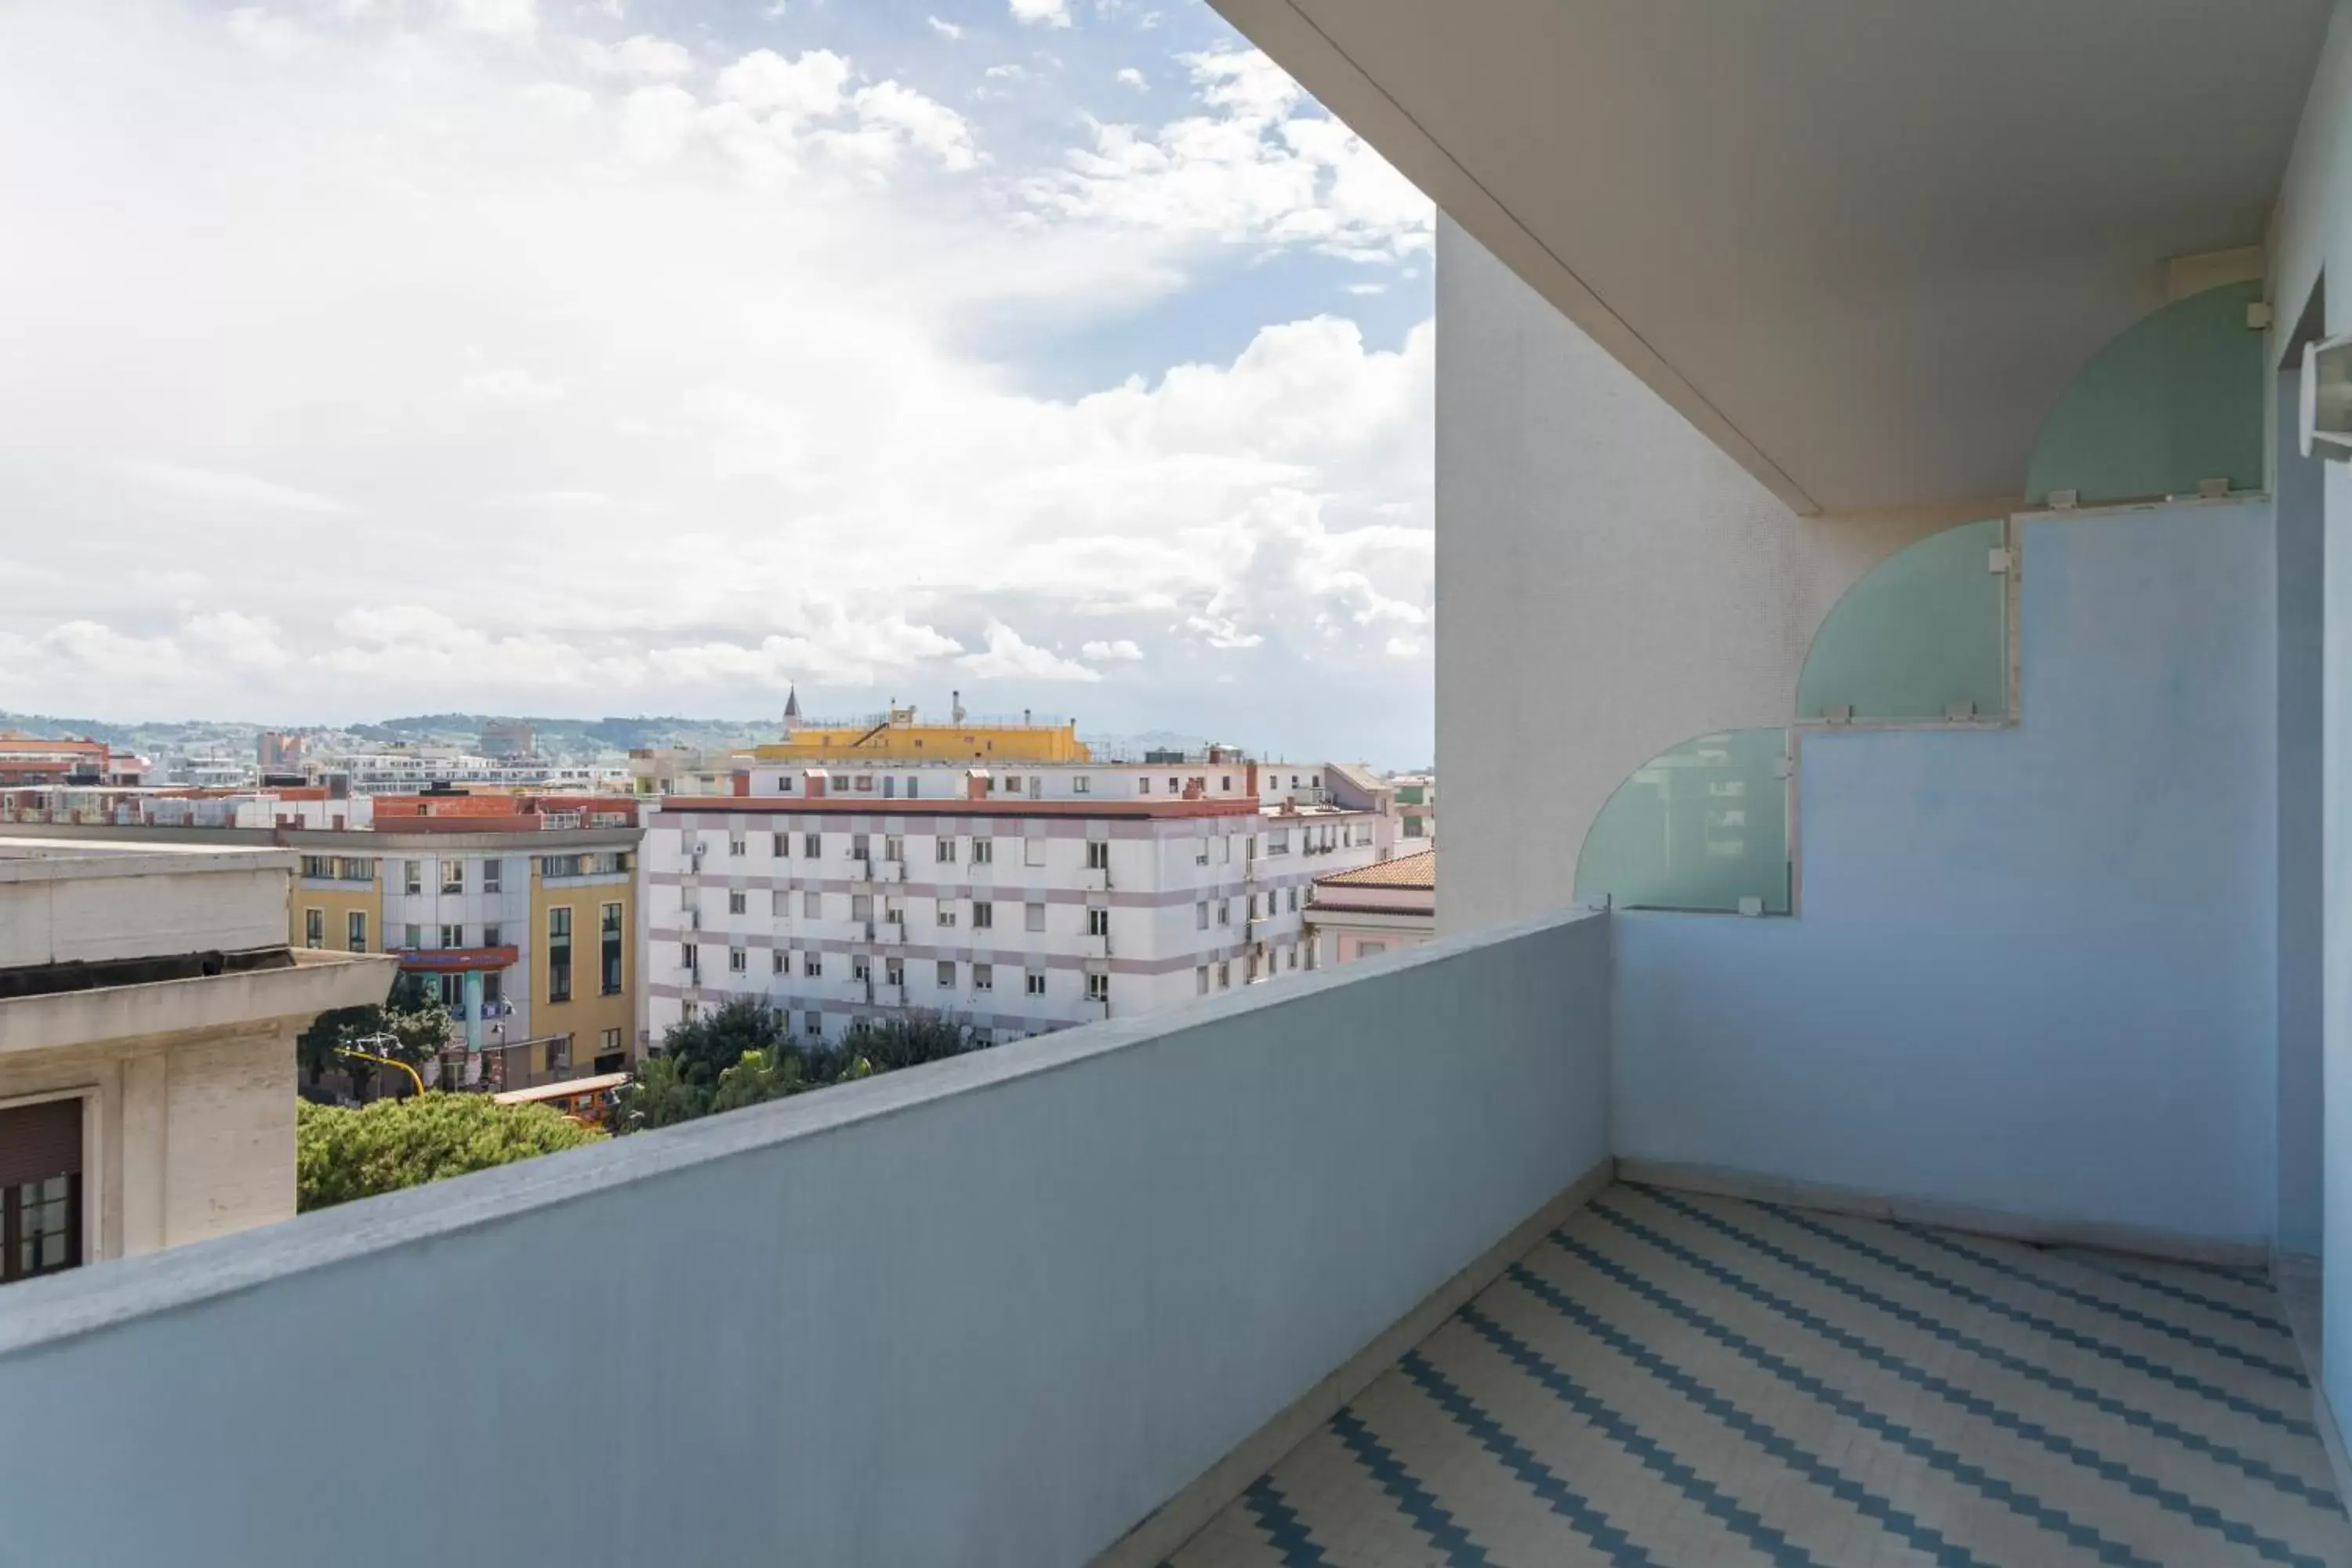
(792, 707)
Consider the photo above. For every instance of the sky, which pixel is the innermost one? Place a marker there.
(587, 357)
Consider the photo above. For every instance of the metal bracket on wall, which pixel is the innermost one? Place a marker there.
(1839, 713)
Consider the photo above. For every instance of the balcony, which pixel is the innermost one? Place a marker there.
(1301, 1292)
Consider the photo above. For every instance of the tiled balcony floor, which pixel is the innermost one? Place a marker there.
(1678, 1379)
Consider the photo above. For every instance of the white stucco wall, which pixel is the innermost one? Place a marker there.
(1610, 584)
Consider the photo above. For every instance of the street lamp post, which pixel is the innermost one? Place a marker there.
(382, 1043)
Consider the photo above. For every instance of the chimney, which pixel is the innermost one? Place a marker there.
(955, 708)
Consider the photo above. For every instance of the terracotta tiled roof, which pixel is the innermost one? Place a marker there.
(1404, 872)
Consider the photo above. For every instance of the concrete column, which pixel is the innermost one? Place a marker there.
(141, 1158)
(473, 1012)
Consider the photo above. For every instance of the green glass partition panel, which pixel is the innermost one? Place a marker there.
(1701, 827)
(2176, 399)
(1925, 632)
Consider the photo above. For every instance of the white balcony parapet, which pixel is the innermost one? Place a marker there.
(1056, 1282)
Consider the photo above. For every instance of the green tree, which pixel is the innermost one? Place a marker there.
(342, 1153)
(895, 1043)
(659, 1097)
(410, 1016)
(706, 1046)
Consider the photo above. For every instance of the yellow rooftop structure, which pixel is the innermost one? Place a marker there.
(896, 736)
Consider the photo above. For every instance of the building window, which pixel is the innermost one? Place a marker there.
(494, 874)
(1097, 855)
(983, 978)
(559, 956)
(314, 928)
(736, 845)
(812, 1026)
(983, 850)
(946, 913)
(1252, 906)
(780, 904)
(812, 964)
(1033, 851)
(1201, 850)
(414, 881)
(609, 934)
(1200, 914)
(685, 957)
(453, 936)
(738, 901)
(1081, 786)
(315, 866)
(40, 1189)
(784, 845)
(494, 986)
(813, 906)
(1097, 922)
(1293, 951)
(943, 848)
(1294, 900)
(1034, 916)
(865, 784)
(1371, 949)
(893, 972)
(1143, 786)
(1034, 982)
(861, 968)
(947, 973)
(811, 845)
(453, 876)
(984, 916)
(688, 1012)
(1226, 784)
(490, 935)
(893, 847)
(1412, 828)
(1097, 987)
(861, 906)
(1224, 911)
(738, 962)
(355, 931)
(606, 1044)
(559, 1054)
(412, 937)
(859, 847)
(1225, 976)
(1201, 980)
(1226, 850)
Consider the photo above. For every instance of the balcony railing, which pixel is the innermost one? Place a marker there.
(1240, 1195)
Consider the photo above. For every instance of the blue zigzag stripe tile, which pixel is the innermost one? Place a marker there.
(2170, 1498)
(2172, 1431)
(1432, 1521)
(2268, 1324)
(2015, 1499)
(2187, 1336)
(2056, 1331)
(1657, 1458)
(1284, 1529)
(1516, 1457)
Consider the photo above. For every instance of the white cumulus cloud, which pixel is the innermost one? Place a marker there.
(1042, 12)
(1123, 648)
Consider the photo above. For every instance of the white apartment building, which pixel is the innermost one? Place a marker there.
(399, 770)
(1015, 900)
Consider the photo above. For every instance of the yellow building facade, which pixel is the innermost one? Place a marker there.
(899, 737)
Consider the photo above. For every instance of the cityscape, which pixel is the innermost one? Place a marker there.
(720, 732)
